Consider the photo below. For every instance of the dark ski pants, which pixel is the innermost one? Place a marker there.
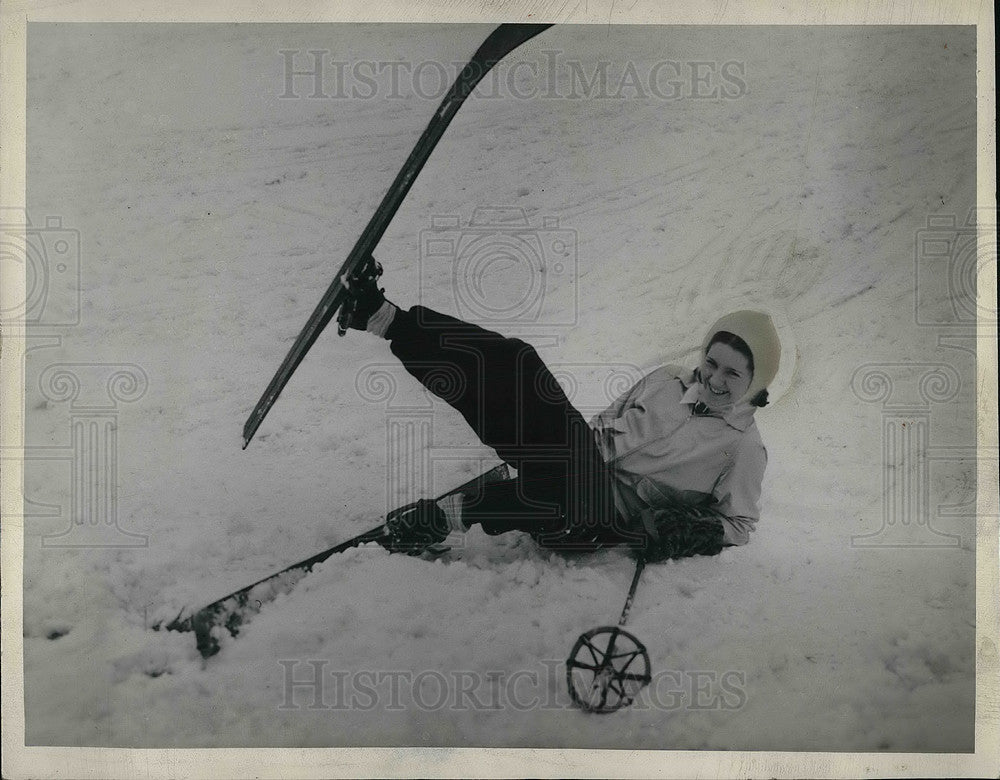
(562, 495)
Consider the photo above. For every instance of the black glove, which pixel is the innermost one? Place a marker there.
(681, 531)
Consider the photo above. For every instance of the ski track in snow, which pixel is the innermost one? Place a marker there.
(212, 216)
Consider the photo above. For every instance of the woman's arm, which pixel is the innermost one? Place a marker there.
(627, 400)
(677, 528)
(620, 417)
(737, 493)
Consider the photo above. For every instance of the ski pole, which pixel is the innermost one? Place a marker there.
(608, 666)
(639, 566)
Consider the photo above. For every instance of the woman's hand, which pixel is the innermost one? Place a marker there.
(681, 531)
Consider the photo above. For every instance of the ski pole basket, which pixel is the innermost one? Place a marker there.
(608, 666)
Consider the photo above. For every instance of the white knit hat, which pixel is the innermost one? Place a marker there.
(757, 330)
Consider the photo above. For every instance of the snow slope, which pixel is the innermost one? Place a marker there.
(212, 214)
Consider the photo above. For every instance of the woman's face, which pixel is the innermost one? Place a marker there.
(725, 376)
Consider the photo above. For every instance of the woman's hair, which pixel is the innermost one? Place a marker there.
(734, 341)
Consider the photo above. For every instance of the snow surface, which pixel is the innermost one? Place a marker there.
(212, 214)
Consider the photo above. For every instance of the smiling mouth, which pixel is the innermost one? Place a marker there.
(713, 391)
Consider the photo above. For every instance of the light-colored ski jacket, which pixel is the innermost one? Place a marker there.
(659, 452)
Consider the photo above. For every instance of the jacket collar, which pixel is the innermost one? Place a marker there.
(738, 416)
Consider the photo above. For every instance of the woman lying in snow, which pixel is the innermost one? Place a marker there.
(673, 468)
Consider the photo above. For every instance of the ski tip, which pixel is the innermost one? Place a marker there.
(246, 442)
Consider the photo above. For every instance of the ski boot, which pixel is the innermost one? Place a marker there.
(415, 528)
(364, 297)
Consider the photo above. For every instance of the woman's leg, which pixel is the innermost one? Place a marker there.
(514, 405)
(507, 506)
